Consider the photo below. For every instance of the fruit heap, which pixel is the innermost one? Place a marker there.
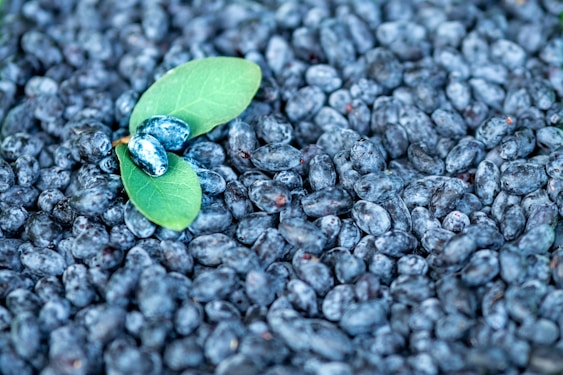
(155, 136)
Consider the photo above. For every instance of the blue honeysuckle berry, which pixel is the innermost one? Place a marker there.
(147, 152)
(171, 132)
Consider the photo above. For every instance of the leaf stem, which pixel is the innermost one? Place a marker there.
(121, 141)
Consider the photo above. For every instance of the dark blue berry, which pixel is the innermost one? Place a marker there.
(363, 317)
(172, 133)
(270, 246)
(275, 157)
(91, 146)
(148, 154)
(209, 154)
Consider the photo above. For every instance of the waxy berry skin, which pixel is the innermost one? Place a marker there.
(171, 132)
(148, 154)
(391, 200)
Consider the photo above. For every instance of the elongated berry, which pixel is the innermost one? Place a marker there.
(148, 154)
(171, 132)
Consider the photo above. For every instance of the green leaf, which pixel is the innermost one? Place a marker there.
(172, 200)
(204, 93)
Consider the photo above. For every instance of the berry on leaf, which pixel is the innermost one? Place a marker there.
(171, 132)
(147, 153)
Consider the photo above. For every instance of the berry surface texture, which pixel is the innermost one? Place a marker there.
(339, 187)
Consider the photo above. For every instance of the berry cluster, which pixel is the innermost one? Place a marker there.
(153, 138)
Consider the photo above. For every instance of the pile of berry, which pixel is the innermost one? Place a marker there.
(389, 203)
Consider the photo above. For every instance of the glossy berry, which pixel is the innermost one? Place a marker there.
(148, 154)
(171, 132)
